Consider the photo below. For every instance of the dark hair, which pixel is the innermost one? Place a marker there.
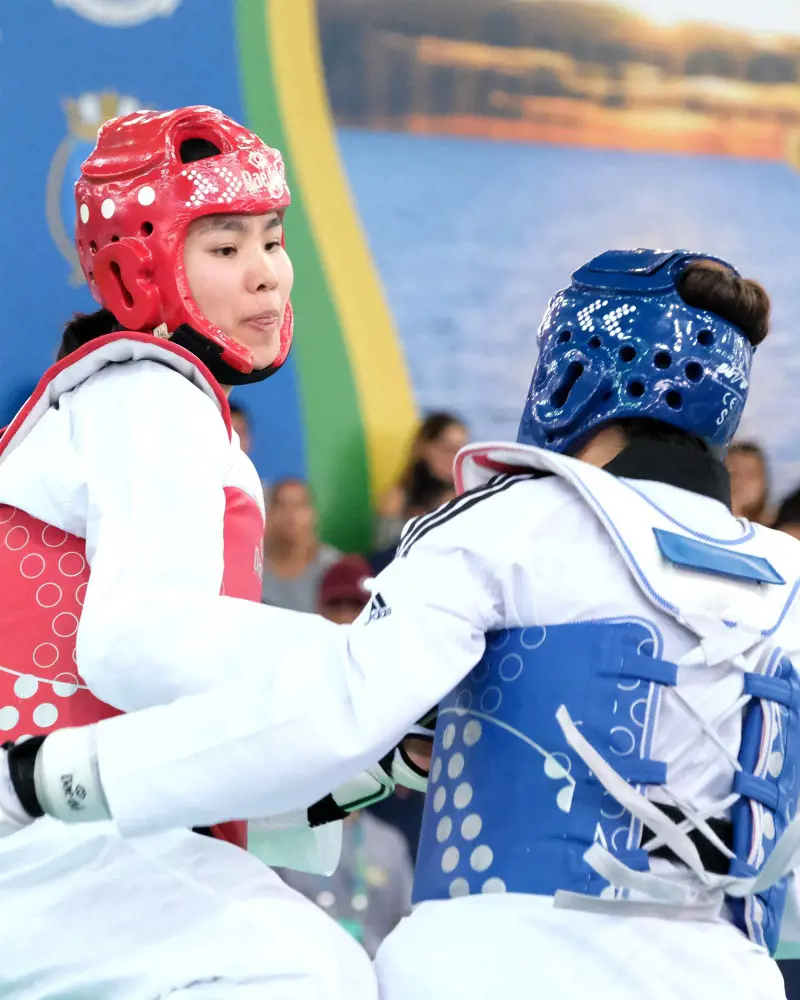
(417, 477)
(275, 488)
(705, 284)
(789, 510)
(237, 410)
(84, 327)
(427, 496)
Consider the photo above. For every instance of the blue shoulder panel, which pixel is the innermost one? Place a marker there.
(691, 553)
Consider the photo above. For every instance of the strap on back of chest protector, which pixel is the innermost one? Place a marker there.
(733, 599)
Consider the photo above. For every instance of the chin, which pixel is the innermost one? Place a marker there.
(263, 357)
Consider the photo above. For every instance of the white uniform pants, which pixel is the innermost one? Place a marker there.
(88, 916)
(521, 948)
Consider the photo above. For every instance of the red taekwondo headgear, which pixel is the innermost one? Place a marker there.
(150, 175)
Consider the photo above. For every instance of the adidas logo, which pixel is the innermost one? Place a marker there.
(378, 608)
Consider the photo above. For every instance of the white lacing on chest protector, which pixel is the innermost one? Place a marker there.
(698, 888)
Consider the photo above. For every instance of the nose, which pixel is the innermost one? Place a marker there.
(261, 274)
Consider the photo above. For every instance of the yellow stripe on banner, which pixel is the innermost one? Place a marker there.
(383, 387)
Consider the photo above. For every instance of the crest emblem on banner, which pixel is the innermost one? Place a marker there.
(120, 13)
(84, 116)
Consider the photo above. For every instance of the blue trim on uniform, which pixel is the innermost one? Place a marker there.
(784, 611)
(691, 553)
(768, 688)
(745, 537)
(672, 608)
(769, 756)
(646, 582)
(757, 789)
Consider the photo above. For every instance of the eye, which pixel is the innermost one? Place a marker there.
(224, 251)
(273, 245)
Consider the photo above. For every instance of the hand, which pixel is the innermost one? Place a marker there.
(12, 816)
(419, 751)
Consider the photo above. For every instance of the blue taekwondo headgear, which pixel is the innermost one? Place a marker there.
(620, 342)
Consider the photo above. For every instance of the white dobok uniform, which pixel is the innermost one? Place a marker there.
(128, 516)
(596, 645)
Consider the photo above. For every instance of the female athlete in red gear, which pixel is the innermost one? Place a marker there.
(131, 520)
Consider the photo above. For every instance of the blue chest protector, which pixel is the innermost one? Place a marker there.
(512, 808)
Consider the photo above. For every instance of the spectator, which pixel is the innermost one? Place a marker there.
(747, 465)
(428, 500)
(240, 421)
(294, 557)
(370, 892)
(343, 591)
(788, 518)
(429, 467)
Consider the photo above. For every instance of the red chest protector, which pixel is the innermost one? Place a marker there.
(44, 576)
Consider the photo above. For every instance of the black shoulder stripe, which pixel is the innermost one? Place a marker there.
(422, 525)
(411, 526)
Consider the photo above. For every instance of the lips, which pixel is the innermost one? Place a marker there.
(265, 320)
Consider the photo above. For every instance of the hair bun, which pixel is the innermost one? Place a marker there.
(741, 301)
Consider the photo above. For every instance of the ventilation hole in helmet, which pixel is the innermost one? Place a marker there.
(694, 371)
(573, 373)
(550, 438)
(565, 336)
(606, 396)
(91, 277)
(192, 150)
(595, 342)
(147, 228)
(627, 353)
(705, 337)
(673, 399)
(93, 246)
(571, 376)
(127, 298)
(636, 389)
(663, 359)
(115, 239)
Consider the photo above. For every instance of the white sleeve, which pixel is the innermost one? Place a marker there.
(790, 926)
(155, 453)
(323, 706)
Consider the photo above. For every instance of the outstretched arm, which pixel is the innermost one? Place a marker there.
(326, 703)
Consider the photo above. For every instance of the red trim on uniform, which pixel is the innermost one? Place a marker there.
(479, 454)
(234, 832)
(55, 370)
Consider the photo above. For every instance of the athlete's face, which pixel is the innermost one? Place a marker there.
(440, 454)
(748, 484)
(290, 513)
(241, 278)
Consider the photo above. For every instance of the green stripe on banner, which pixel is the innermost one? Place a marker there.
(334, 435)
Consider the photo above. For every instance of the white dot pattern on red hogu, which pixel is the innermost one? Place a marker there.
(43, 577)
